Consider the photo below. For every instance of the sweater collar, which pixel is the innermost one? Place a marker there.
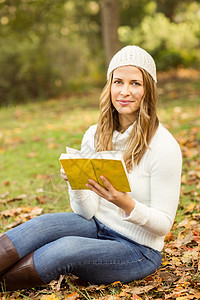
(120, 138)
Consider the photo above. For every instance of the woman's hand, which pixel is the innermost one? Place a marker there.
(120, 199)
(63, 175)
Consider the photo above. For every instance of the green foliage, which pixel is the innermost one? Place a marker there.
(171, 44)
(50, 48)
(46, 48)
(132, 12)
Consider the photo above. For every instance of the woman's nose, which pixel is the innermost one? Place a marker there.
(125, 90)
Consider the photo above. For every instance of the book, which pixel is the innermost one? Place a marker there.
(79, 168)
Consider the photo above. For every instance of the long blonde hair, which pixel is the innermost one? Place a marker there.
(144, 129)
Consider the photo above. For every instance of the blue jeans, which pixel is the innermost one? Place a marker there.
(67, 243)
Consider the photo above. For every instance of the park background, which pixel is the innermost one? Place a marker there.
(53, 60)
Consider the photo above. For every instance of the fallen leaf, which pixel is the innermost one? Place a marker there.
(169, 237)
(52, 146)
(117, 283)
(183, 223)
(41, 176)
(167, 277)
(135, 297)
(4, 195)
(41, 199)
(13, 224)
(7, 182)
(36, 139)
(49, 297)
(190, 208)
(32, 154)
(183, 241)
(21, 214)
(72, 296)
(13, 199)
(189, 256)
(139, 289)
(176, 294)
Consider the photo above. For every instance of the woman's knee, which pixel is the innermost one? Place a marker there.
(57, 257)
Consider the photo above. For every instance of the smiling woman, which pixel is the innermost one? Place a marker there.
(142, 90)
(127, 91)
(111, 235)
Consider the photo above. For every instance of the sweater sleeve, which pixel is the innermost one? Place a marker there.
(165, 164)
(85, 202)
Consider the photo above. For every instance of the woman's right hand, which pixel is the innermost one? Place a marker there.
(63, 175)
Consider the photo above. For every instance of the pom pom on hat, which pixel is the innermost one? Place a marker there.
(133, 56)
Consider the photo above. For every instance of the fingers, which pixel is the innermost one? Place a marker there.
(108, 192)
(63, 175)
(107, 183)
(97, 188)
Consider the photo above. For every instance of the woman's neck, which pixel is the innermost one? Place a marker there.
(124, 125)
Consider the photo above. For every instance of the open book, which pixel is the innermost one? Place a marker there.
(79, 168)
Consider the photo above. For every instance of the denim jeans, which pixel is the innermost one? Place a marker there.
(67, 243)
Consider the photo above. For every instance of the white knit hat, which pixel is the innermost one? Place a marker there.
(133, 56)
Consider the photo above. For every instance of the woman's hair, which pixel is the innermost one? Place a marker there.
(144, 129)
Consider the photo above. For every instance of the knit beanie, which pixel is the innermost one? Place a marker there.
(133, 56)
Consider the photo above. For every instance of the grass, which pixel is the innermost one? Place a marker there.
(31, 140)
(32, 136)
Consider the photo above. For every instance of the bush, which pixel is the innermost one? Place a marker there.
(171, 44)
(33, 69)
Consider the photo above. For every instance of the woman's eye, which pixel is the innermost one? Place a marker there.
(117, 81)
(136, 83)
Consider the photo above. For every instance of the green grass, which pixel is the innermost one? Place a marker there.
(32, 137)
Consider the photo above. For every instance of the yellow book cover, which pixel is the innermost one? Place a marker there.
(79, 168)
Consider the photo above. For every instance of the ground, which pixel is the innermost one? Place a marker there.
(31, 139)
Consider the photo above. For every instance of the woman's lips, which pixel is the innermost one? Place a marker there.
(124, 102)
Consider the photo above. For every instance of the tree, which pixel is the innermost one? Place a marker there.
(110, 16)
(168, 7)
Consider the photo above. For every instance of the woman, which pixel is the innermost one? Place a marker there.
(111, 235)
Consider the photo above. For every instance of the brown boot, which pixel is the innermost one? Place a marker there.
(22, 275)
(8, 254)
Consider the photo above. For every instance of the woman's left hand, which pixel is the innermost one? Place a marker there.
(121, 199)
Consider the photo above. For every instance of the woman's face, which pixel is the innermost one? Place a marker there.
(127, 91)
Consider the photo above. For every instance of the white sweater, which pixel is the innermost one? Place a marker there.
(155, 188)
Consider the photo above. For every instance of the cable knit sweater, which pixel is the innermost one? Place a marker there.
(155, 188)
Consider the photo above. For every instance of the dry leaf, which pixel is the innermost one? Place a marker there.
(190, 256)
(32, 154)
(135, 297)
(72, 296)
(49, 297)
(169, 237)
(168, 277)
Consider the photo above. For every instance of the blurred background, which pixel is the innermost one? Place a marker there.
(50, 48)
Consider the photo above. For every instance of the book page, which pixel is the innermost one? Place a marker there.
(71, 152)
(114, 155)
(78, 172)
(114, 171)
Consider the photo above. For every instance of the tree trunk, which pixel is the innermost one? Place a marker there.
(110, 20)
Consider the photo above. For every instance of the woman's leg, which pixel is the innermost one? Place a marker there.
(99, 259)
(32, 235)
(95, 260)
(47, 228)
